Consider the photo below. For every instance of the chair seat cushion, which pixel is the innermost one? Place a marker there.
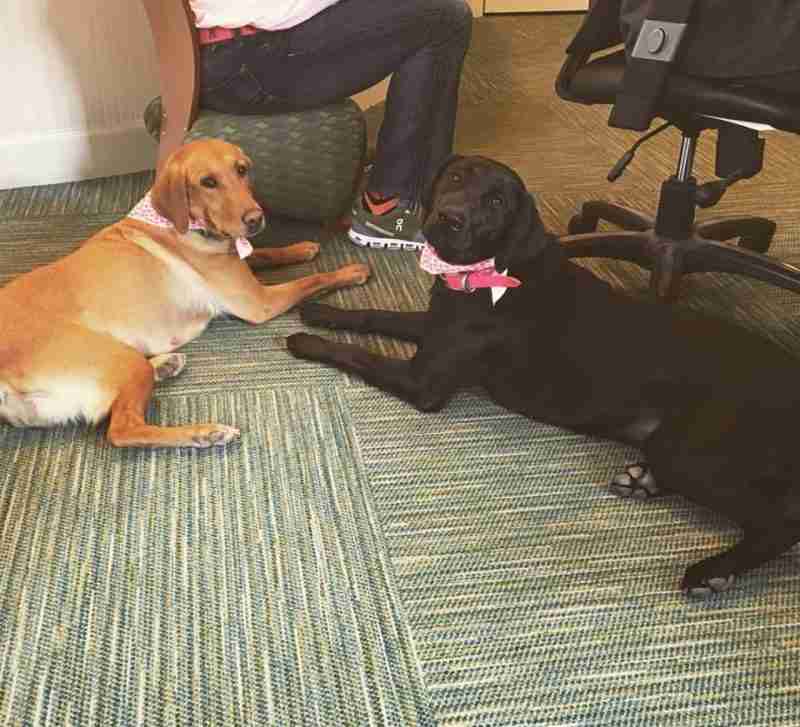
(599, 81)
(307, 163)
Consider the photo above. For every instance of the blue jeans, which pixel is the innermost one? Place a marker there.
(347, 48)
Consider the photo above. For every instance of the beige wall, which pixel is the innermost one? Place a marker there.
(532, 6)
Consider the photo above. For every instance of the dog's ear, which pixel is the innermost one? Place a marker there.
(526, 236)
(170, 195)
(427, 195)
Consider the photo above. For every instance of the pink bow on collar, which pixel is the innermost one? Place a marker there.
(466, 278)
(145, 212)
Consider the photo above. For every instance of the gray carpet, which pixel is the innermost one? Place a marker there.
(353, 562)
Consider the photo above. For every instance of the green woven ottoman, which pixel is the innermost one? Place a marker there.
(307, 163)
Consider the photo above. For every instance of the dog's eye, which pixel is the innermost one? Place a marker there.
(242, 170)
(455, 177)
(209, 182)
(496, 201)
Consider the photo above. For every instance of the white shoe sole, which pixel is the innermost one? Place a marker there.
(383, 243)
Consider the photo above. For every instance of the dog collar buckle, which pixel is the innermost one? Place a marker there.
(458, 281)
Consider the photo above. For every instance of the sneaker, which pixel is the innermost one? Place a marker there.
(398, 229)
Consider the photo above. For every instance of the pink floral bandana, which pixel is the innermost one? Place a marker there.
(468, 278)
(145, 212)
(431, 263)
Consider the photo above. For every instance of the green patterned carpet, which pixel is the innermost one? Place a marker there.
(352, 562)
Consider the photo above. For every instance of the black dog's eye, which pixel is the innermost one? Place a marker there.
(242, 170)
(496, 201)
(455, 177)
(209, 182)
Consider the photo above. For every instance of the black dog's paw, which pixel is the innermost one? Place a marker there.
(703, 579)
(316, 314)
(635, 482)
(326, 316)
(305, 345)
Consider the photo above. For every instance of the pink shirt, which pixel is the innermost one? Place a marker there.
(264, 14)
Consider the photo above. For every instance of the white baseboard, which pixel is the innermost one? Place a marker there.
(67, 156)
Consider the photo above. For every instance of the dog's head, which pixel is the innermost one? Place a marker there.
(208, 181)
(479, 209)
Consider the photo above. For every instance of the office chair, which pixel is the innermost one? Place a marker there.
(672, 244)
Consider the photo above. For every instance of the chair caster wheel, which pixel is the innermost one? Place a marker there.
(756, 244)
(578, 225)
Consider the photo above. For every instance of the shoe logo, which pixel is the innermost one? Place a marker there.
(379, 230)
(398, 226)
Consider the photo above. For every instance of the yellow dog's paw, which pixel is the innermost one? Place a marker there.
(167, 365)
(213, 435)
(355, 274)
(306, 250)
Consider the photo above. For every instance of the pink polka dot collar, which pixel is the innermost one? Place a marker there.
(144, 211)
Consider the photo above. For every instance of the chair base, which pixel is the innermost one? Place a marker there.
(705, 250)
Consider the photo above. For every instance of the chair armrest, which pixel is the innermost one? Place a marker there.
(600, 30)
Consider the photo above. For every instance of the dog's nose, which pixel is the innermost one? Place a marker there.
(253, 220)
(454, 220)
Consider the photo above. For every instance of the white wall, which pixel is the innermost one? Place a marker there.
(75, 77)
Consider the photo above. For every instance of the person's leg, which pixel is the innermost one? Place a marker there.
(345, 49)
(356, 43)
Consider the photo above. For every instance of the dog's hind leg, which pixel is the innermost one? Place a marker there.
(759, 545)
(128, 427)
(167, 365)
(407, 326)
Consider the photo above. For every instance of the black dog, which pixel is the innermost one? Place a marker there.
(712, 407)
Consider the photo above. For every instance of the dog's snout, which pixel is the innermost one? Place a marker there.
(253, 220)
(452, 218)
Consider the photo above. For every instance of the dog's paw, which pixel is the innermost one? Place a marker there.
(316, 314)
(705, 587)
(326, 316)
(709, 576)
(306, 345)
(635, 482)
(213, 435)
(306, 250)
(168, 365)
(354, 274)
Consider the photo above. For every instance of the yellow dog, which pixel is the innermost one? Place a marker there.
(91, 333)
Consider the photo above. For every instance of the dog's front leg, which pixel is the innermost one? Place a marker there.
(393, 375)
(277, 299)
(427, 381)
(408, 326)
(299, 252)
